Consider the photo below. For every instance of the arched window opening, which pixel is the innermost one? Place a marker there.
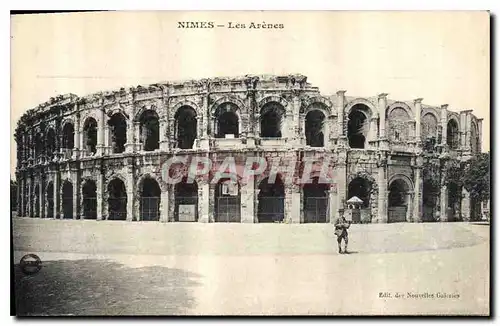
(186, 201)
(430, 194)
(37, 201)
(186, 124)
(227, 201)
(118, 128)
(357, 126)
(67, 199)
(68, 136)
(271, 120)
(360, 188)
(227, 125)
(398, 123)
(150, 130)
(50, 142)
(90, 136)
(452, 135)
(315, 204)
(117, 200)
(398, 201)
(49, 195)
(271, 199)
(150, 200)
(89, 201)
(315, 129)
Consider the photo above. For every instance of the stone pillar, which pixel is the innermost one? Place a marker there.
(465, 207)
(203, 201)
(100, 197)
(108, 148)
(292, 204)
(41, 201)
(131, 193)
(372, 133)
(462, 129)
(171, 202)
(247, 201)
(138, 138)
(341, 184)
(418, 116)
(480, 133)
(56, 195)
(382, 194)
(418, 198)
(340, 111)
(382, 105)
(30, 197)
(100, 134)
(20, 197)
(443, 207)
(211, 202)
(77, 136)
(129, 146)
(164, 204)
(444, 123)
(76, 190)
(163, 133)
(467, 128)
(409, 210)
(332, 204)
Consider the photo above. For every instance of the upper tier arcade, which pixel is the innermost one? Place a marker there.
(237, 113)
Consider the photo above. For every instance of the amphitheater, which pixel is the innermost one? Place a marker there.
(100, 156)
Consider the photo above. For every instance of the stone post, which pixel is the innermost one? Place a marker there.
(129, 146)
(480, 133)
(382, 194)
(100, 147)
(131, 192)
(409, 210)
(247, 201)
(467, 128)
(100, 197)
(30, 197)
(340, 103)
(418, 116)
(382, 105)
(443, 209)
(332, 204)
(163, 133)
(77, 136)
(164, 204)
(138, 136)
(292, 204)
(341, 183)
(76, 185)
(41, 201)
(203, 201)
(418, 202)
(444, 123)
(465, 209)
(56, 195)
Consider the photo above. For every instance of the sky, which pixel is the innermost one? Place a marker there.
(442, 57)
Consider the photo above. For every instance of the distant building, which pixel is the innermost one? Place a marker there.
(100, 156)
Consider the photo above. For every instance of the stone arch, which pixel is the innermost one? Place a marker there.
(317, 103)
(403, 177)
(150, 175)
(429, 125)
(118, 131)
(149, 195)
(358, 124)
(271, 200)
(227, 120)
(272, 116)
(315, 128)
(409, 110)
(186, 103)
(89, 132)
(398, 118)
(49, 196)
(453, 133)
(116, 108)
(145, 108)
(227, 99)
(227, 197)
(89, 198)
(399, 199)
(270, 99)
(149, 127)
(117, 198)
(367, 103)
(67, 190)
(475, 143)
(185, 127)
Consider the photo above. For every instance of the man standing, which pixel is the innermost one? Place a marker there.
(341, 226)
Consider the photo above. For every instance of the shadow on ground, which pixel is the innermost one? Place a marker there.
(103, 287)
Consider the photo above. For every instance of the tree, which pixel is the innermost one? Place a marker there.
(476, 177)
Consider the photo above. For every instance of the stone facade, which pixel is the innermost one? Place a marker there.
(99, 156)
